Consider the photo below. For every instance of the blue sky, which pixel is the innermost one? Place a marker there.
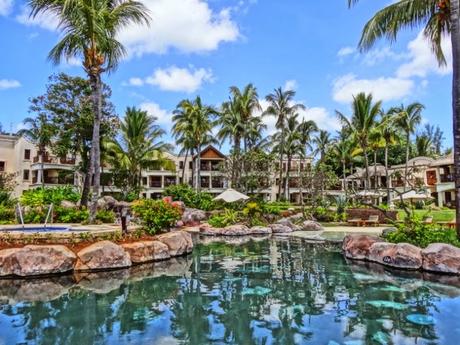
(203, 47)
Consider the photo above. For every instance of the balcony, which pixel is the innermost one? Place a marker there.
(55, 180)
(169, 181)
(55, 160)
(445, 178)
(155, 182)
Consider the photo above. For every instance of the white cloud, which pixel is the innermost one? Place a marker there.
(376, 56)
(135, 82)
(178, 79)
(9, 84)
(290, 85)
(154, 109)
(45, 21)
(345, 51)
(186, 25)
(5, 7)
(189, 26)
(423, 61)
(385, 89)
(321, 116)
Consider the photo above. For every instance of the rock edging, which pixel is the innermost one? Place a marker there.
(437, 257)
(34, 260)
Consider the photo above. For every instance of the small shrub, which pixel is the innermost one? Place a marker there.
(46, 196)
(191, 198)
(229, 217)
(253, 213)
(156, 215)
(275, 207)
(105, 216)
(414, 231)
(7, 215)
(35, 215)
(70, 215)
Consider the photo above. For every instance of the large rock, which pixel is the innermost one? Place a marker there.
(287, 222)
(310, 225)
(193, 216)
(35, 260)
(401, 255)
(67, 204)
(178, 242)
(441, 257)
(278, 228)
(260, 230)
(357, 246)
(145, 251)
(102, 255)
(106, 202)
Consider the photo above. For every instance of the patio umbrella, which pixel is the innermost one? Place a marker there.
(413, 195)
(231, 195)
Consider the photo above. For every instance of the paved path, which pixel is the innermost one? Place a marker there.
(337, 233)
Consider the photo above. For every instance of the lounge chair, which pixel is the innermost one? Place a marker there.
(373, 220)
(355, 221)
(428, 220)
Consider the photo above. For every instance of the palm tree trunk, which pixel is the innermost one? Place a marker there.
(198, 170)
(95, 82)
(192, 153)
(367, 182)
(185, 164)
(86, 188)
(387, 177)
(344, 177)
(42, 166)
(375, 170)
(455, 37)
(281, 164)
(286, 183)
(406, 169)
(236, 162)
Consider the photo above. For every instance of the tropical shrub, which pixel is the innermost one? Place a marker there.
(191, 198)
(228, 217)
(35, 215)
(70, 215)
(46, 196)
(7, 215)
(275, 207)
(156, 215)
(418, 233)
(105, 216)
(253, 213)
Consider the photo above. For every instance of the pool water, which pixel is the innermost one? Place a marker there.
(37, 228)
(272, 291)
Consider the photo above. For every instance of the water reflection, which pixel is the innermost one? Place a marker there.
(253, 292)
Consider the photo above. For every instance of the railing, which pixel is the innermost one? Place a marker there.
(155, 184)
(55, 160)
(446, 178)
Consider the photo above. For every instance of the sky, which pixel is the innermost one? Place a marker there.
(202, 47)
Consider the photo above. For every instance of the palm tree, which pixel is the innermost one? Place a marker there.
(344, 150)
(281, 105)
(138, 147)
(362, 121)
(390, 134)
(181, 131)
(423, 145)
(306, 130)
(40, 131)
(408, 118)
(199, 124)
(322, 142)
(441, 19)
(89, 31)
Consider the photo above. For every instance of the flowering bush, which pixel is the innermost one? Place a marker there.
(156, 215)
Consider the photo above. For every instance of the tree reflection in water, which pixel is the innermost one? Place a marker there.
(276, 291)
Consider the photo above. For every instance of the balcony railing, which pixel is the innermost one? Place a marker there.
(446, 178)
(55, 180)
(55, 160)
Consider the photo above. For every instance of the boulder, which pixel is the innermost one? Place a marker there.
(400, 255)
(145, 251)
(441, 257)
(310, 225)
(387, 231)
(102, 255)
(296, 217)
(260, 230)
(107, 202)
(67, 204)
(287, 222)
(278, 228)
(193, 216)
(178, 242)
(357, 246)
(35, 260)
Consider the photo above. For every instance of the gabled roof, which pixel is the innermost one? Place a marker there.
(211, 148)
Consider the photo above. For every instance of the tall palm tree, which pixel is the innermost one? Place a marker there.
(408, 118)
(423, 145)
(390, 134)
(363, 120)
(306, 130)
(40, 131)
(89, 31)
(441, 19)
(322, 142)
(181, 131)
(199, 124)
(344, 149)
(282, 105)
(138, 146)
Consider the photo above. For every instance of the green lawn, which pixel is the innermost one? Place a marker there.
(438, 216)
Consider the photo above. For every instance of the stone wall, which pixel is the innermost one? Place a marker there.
(36, 260)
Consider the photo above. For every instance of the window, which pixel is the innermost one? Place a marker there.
(26, 175)
(2, 166)
(27, 154)
(181, 164)
(144, 181)
(190, 165)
